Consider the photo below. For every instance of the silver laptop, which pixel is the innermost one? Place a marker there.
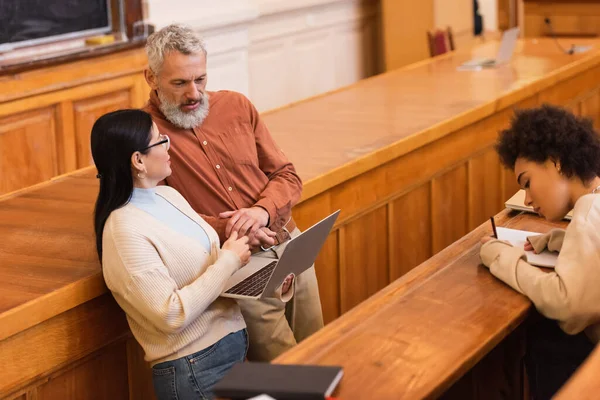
(262, 276)
(505, 53)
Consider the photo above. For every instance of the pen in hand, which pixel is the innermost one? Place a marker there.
(494, 227)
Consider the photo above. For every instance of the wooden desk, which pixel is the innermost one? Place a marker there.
(419, 335)
(584, 384)
(407, 156)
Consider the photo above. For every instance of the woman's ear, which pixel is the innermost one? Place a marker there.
(556, 165)
(137, 162)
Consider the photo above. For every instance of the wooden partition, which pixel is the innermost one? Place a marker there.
(448, 329)
(406, 196)
(46, 115)
(570, 18)
(407, 156)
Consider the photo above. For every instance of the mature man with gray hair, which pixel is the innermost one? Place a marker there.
(229, 168)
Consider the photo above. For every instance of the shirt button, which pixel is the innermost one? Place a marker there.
(218, 166)
(230, 188)
(205, 143)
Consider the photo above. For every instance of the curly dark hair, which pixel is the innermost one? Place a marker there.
(550, 132)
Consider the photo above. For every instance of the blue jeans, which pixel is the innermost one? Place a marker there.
(193, 376)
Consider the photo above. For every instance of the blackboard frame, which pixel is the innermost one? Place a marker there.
(5, 47)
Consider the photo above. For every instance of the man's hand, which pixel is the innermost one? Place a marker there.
(287, 283)
(262, 237)
(245, 220)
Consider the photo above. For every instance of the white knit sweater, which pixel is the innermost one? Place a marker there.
(166, 282)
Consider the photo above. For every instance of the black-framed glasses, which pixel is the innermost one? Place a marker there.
(162, 139)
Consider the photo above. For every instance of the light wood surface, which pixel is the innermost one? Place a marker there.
(584, 384)
(416, 337)
(406, 156)
(379, 119)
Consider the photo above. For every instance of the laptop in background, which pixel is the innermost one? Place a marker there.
(505, 53)
(517, 202)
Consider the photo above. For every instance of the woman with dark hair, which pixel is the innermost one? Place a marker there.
(556, 160)
(162, 262)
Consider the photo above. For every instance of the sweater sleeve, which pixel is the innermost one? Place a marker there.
(148, 287)
(570, 292)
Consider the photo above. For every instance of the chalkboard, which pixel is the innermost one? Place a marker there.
(28, 22)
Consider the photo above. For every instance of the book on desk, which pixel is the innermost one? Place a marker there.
(281, 382)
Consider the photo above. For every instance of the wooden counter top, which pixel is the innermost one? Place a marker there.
(360, 127)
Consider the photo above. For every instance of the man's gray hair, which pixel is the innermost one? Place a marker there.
(174, 37)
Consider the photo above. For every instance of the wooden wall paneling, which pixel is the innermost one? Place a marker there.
(139, 373)
(70, 94)
(327, 264)
(449, 201)
(573, 18)
(327, 267)
(509, 183)
(567, 91)
(102, 377)
(590, 107)
(87, 111)
(139, 92)
(402, 20)
(23, 396)
(410, 230)
(27, 149)
(73, 334)
(574, 107)
(363, 257)
(386, 182)
(484, 186)
(66, 142)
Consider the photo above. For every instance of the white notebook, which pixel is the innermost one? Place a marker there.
(517, 202)
(518, 239)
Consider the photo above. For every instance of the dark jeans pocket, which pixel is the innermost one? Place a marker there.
(211, 365)
(164, 381)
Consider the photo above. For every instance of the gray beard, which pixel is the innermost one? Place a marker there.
(185, 120)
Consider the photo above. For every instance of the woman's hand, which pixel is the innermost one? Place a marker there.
(528, 246)
(238, 246)
(486, 239)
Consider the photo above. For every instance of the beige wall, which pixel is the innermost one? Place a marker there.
(280, 51)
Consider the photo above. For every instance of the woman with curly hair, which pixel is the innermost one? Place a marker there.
(556, 160)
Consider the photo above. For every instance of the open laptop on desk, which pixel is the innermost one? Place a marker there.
(517, 202)
(262, 276)
(505, 53)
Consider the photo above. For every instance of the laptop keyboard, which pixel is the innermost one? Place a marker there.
(255, 283)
